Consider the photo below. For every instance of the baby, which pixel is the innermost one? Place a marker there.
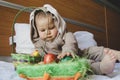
(49, 34)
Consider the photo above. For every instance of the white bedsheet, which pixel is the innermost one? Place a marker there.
(7, 72)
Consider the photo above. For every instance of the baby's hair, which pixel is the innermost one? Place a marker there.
(43, 14)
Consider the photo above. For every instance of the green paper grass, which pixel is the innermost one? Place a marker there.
(69, 68)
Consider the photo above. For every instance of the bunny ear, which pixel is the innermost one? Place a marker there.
(34, 32)
(50, 8)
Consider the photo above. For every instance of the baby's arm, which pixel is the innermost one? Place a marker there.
(70, 47)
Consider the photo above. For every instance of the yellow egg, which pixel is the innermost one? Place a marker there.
(36, 53)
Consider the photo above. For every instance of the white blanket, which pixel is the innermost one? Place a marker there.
(7, 72)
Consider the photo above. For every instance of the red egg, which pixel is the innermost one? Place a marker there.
(49, 58)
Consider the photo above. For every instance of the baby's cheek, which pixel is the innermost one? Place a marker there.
(42, 37)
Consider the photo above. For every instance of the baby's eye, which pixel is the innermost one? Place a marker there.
(52, 27)
(42, 30)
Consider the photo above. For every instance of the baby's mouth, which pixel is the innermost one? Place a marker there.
(49, 37)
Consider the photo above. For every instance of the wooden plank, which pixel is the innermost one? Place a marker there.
(113, 24)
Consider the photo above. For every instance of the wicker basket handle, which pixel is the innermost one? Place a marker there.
(26, 9)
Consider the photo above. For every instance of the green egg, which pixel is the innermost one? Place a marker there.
(66, 58)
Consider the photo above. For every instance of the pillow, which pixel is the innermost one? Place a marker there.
(22, 38)
(85, 39)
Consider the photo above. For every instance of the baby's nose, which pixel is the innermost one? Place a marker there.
(47, 32)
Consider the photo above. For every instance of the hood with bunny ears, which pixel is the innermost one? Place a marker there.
(61, 25)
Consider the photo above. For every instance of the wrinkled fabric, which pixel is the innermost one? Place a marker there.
(85, 39)
(95, 54)
(7, 72)
(58, 45)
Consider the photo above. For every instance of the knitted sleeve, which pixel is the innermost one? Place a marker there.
(70, 43)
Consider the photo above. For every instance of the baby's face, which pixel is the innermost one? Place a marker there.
(46, 28)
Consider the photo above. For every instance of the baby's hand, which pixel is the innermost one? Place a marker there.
(60, 56)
